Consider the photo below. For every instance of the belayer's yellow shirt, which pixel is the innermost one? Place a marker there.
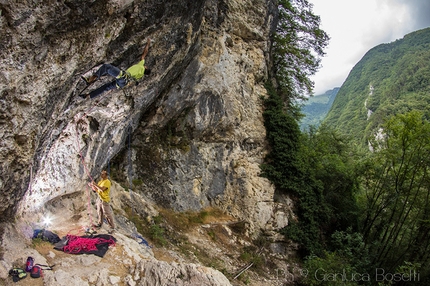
(105, 194)
(137, 71)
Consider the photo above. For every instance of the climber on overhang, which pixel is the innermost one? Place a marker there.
(122, 78)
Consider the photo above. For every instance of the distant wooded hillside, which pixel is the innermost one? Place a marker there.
(390, 79)
(316, 108)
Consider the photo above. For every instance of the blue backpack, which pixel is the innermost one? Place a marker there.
(46, 235)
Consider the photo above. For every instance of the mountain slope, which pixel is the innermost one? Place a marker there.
(316, 108)
(391, 78)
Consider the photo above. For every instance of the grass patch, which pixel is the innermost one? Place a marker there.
(195, 252)
(211, 233)
(156, 233)
(38, 242)
(169, 229)
(138, 221)
(186, 220)
(249, 256)
(260, 256)
(137, 182)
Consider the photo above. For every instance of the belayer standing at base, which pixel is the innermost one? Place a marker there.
(122, 78)
(102, 188)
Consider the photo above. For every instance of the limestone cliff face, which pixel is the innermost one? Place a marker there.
(194, 126)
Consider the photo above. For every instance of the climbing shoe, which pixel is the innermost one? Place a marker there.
(90, 231)
(84, 96)
(120, 74)
(97, 225)
(91, 79)
(112, 230)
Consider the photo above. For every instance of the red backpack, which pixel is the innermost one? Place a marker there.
(37, 272)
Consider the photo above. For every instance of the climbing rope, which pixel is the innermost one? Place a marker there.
(96, 103)
(108, 168)
(88, 174)
(77, 244)
(31, 179)
(89, 207)
(89, 109)
(78, 230)
(129, 157)
(80, 153)
(130, 166)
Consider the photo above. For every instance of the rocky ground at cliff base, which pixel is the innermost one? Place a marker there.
(206, 248)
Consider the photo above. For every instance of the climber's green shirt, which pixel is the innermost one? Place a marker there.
(137, 70)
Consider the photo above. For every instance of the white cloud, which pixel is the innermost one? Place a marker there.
(357, 26)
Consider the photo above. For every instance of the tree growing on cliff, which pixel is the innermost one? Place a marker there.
(316, 170)
(298, 44)
(284, 167)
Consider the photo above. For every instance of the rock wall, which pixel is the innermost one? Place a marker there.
(193, 128)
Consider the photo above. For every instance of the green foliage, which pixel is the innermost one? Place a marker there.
(283, 133)
(326, 201)
(283, 166)
(390, 79)
(330, 161)
(297, 44)
(137, 182)
(352, 247)
(185, 220)
(354, 213)
(314, 169)
(330, 269)
(316, 108)
(393, 208)
(35, 242)
(249, 255)
(157, 234)
(396, 193)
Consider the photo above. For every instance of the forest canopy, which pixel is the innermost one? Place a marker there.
(356, 210)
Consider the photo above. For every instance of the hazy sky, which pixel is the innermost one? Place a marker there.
(356, 26)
